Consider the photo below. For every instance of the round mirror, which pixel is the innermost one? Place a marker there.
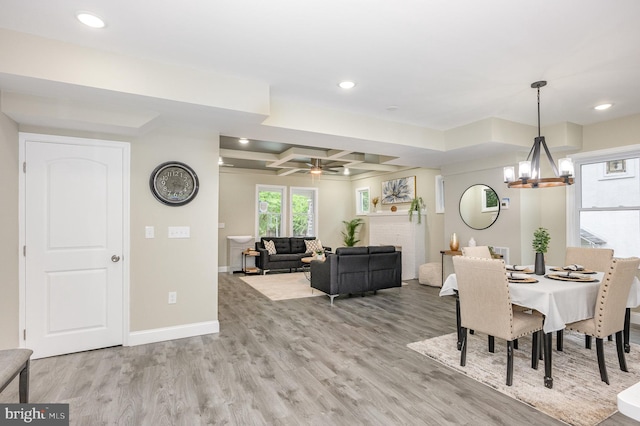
(479, 206)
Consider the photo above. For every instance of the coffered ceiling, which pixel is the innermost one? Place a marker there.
(422, 69)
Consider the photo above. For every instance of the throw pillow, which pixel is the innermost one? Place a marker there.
(313, 246)
(270, 246)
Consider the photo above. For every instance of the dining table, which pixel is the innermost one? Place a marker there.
(560, 301)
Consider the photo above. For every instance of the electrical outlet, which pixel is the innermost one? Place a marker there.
(173, 297)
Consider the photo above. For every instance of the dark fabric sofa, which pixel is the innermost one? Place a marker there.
(289, 253)
(357, 270)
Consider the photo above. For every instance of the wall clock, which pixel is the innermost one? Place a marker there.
(174, 183)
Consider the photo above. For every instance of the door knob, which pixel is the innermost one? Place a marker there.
(115, 258)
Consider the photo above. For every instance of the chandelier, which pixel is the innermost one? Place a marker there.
(529, 170)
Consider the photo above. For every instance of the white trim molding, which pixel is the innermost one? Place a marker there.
(170, 333)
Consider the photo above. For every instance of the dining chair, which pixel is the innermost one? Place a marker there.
(478, 251)
(609, 316)
(485, 306)
(484, 253)
(596, 259)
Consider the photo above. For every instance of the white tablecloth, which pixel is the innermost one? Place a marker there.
(561, 302)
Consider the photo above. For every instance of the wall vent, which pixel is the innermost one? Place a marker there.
(504, 251)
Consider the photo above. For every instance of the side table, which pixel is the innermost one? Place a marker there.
(249, 269)
(306, 268)
(457, 253)
(448, 253)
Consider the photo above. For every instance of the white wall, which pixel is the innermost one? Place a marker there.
(160, 265)
(9, 234)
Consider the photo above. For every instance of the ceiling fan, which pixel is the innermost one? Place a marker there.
(316, 167)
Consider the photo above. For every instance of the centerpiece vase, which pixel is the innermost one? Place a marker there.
(539, 267)
(454, 244)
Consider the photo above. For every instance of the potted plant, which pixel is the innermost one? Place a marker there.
(349, 234)
(540, 245)
(416, 206)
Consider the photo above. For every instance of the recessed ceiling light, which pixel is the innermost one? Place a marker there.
(346, 171)
(243, 141)
(347, 84)
(603, 107)
(90, 20)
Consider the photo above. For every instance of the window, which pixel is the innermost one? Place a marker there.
(607, 202)
(362, 201)
(439, 194)
(304, 212)
(270, 202)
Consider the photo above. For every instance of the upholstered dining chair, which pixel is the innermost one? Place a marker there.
(610, 309)
(596, 259)
(478, 251)
(485, 306)
(484, 253)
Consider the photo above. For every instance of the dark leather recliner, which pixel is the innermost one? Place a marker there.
(357, 270)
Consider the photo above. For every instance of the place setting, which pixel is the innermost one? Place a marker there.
(573, 273)
(520, 278)
(519, 268)
(574, 268)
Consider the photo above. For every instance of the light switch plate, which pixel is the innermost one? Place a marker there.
(149, 232)
(179, 232)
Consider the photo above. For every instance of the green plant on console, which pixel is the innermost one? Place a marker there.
(416, 206)
(541, 240)
(349, 234)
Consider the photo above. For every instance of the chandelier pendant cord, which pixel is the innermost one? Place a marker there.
(535, 149)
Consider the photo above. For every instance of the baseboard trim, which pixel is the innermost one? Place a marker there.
(223, 268)
(635, 317)
(170, 333)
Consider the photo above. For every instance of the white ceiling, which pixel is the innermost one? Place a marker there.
(439, 64)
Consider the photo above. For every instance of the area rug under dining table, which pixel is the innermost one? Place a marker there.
(578, 396)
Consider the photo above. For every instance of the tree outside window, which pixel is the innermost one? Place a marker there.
(270, 212)
(303, 212)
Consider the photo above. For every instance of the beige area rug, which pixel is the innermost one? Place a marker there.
(282, 286)
(578, 396)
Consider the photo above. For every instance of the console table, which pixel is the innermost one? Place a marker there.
(444, 253)
(447, 253)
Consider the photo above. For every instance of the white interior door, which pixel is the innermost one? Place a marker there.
(74, 234)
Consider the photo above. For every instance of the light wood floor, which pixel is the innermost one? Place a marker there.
(293, 362)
